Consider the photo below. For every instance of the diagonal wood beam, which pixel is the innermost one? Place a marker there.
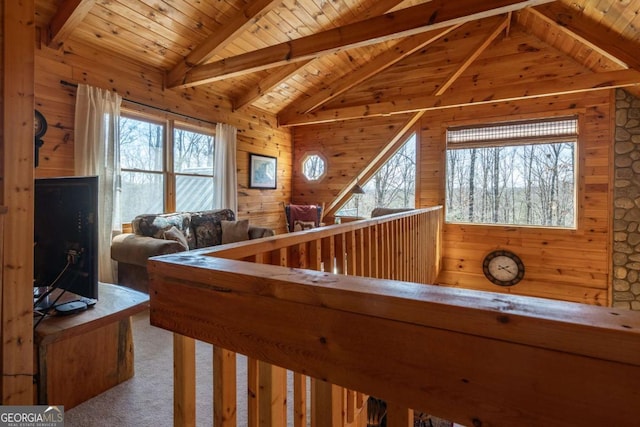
(375, 66)
(383, 155)
(403, 23)
(592, 34)
(576, 84)
(267, 84)
(473, 55)
(220, 38)
(270, 82)
(70, 13)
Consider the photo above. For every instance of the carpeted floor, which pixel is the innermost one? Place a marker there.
(146, 399)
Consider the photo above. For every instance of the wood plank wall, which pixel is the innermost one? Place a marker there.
(78, 63)
(347, 147)
(571, 265)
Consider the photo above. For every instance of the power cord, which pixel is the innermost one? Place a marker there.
(47, 310)
(52, 287)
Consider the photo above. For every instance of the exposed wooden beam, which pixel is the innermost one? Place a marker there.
(576, 84)
(274, 79)
(220, 38)
(17, 157)
(371, 68)
(383, 155)
(70, 13)
(473, 55)
(267, 84)
(592, 34)
(403, 23)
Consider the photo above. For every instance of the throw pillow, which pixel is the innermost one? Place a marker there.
(174, 234)
(235, 231)
(303, 225)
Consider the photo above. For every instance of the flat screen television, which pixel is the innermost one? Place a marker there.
(66, 235)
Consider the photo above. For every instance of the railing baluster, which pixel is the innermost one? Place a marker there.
(326, 404)
(340, 248)
(299, 400)
(184, 374)
(401, 247)
(351, 253)
(224, 384)
(272, 398)
(253, 397)
(328, 254)
(315, 255)
(398, 416)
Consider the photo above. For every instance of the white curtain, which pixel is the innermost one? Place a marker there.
(226, 189)
(97, 154)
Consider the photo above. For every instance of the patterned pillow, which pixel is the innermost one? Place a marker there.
(174, 234)
(235, 231)
(155, 225)
(207, 228)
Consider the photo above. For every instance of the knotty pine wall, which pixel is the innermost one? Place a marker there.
(571, 265)
(78, 63)
(347, 146)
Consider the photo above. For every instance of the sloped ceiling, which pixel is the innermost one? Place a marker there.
(311, 61)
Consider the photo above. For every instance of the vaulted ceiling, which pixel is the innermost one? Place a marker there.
(312, 61)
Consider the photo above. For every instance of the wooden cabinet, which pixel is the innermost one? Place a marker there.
(82, 355)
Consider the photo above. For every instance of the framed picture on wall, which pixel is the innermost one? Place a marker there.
(262, 171)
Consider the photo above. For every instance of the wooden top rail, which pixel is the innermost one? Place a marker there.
(477, 358)
(248, 248)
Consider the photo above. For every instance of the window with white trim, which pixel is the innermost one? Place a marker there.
(165, 165)
(516, 173)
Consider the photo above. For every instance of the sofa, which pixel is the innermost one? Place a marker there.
(161, 234)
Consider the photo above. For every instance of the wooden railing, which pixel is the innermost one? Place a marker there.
(477, 358)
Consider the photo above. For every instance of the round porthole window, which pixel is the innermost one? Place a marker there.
(314, 167)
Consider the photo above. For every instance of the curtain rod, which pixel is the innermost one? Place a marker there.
(66, 83)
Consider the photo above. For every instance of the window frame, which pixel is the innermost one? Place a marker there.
(406, 137)
(169, 123)
(578, 161)
(325, 168)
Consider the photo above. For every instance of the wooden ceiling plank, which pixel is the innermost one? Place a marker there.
(219, 39)
(268, 84)
(378, 64)
(553, 87)
(403, 23)
(69, 15)
(594, 35)
(473, 55)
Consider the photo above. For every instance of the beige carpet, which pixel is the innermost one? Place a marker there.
(146, 399)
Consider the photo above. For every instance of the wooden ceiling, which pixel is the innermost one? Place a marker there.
(311, 61)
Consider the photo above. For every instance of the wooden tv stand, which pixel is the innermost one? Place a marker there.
(82, 355)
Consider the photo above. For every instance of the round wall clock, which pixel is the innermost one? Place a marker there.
(504, 268)
(39, 124)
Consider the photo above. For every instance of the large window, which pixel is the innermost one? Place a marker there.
(520, 173)
(164, 170)
(393, 185)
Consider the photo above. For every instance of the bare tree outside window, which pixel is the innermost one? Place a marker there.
(506, 174)
(313, 167)
(143, 148)
(393, 185)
